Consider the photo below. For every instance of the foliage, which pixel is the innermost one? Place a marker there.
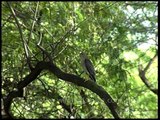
(113, 34)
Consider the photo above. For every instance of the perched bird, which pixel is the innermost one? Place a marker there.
(87, 66)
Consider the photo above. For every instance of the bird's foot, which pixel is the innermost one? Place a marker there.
(85, 80)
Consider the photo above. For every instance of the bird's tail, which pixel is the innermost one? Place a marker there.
(93, 78)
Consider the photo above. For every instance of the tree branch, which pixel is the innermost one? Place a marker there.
(142, 75)
(63, 76)
(149, 63)
(34, 21)
(25, 46)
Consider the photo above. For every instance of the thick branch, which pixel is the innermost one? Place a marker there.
(66, 77)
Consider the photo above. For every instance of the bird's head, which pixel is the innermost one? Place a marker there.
(83, 55)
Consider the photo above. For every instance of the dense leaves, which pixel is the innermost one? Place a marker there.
(117, 36)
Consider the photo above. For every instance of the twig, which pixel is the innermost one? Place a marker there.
(21, 35)
(34, 21)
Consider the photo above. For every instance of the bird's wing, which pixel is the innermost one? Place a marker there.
(90, 68)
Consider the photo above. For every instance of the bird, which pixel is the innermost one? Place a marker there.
(87, 66)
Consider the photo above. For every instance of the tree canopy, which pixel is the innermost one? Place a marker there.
(42, 76)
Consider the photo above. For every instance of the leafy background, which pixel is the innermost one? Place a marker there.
(117, 36)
